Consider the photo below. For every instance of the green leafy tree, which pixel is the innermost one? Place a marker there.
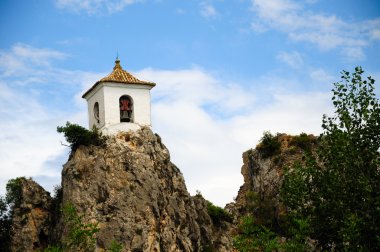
(5, 225)
(77, 135)
(14, 192)
(11, 200)
(338, 191)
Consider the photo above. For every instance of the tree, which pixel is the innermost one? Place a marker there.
(338, 190)
(11, 200)
(76, 135)
(5, 225)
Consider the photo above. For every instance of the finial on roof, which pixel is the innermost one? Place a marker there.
(117, 62)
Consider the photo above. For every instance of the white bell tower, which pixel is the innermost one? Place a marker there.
(119, 102)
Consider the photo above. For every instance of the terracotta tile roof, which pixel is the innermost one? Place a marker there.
(121, 76)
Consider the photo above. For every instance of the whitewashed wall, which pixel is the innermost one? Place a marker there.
(97, 95)
(108, 95)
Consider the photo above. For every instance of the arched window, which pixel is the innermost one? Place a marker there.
(126, 108)
(96, 112)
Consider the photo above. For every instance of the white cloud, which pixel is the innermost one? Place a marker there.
(325, 31)
(293, 59)
(353, 54)
(29, 84)
(258, 27)
(375, 34)
(180, 11)
(22, 58)
(28, 136)
(320, 75)
(95, 6)
(208, 10)
(208, 148)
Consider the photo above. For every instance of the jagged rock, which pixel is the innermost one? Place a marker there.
(138, 197)
(30, 226)
(263, 174)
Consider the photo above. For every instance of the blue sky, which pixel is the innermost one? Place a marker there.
(225, 72)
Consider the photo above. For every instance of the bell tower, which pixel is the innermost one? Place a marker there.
(119, 102)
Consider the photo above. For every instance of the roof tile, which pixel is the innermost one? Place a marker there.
(121, 76)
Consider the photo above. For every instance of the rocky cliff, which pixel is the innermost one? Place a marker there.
(136, 197)
(31, 218)
(133, 193)
(263, 172)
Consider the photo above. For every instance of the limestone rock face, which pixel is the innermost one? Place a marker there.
(30, 227)
(139, 198)
(263, 174)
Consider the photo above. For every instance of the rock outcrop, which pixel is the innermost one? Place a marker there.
(263, 174)
(138, 197)
(31, 218)
(133, 193)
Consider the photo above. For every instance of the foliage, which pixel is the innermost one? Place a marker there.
(269, 145)
(57, 200)
(5, 225)
(264, 229)
(81, 236)
(115, 246)
(14, 191)
(303, 141)
(11, 200)
(338, 191)
(253, 237)
(262, 209)
(77, 135)
(217, 214)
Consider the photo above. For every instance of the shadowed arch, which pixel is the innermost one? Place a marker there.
(126, 108)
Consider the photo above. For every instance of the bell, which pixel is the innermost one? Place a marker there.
(125, 116)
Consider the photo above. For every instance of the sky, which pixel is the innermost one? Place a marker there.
(226, 71)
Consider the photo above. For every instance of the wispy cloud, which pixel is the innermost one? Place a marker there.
(293, 59)
(95, 6)
(325, 31)
(208, 10)
(21, 57)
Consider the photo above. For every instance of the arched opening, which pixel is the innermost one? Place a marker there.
(126, 108)
(96, 112)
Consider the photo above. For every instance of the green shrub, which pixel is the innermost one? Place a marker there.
(80, 235)
(77, 135)
(253, 237)
(303, 141)
(115, 246)
(217, 214)
(14, 191)
(269, 145)
(262, 208)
